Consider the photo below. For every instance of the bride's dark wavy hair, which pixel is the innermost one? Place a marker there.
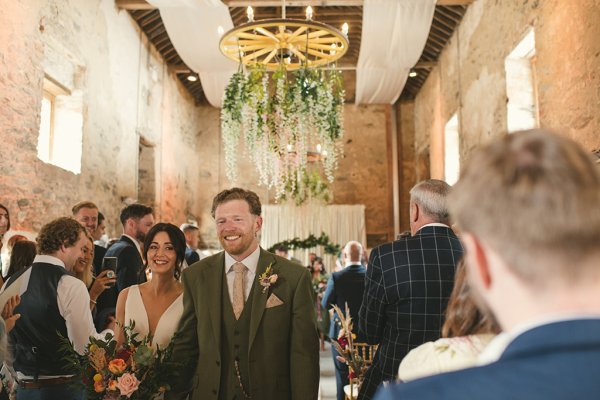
(177, 239)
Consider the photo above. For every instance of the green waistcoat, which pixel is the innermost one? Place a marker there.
(234, 346)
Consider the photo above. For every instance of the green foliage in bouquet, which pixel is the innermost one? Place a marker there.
(137, 371)
(310, 242)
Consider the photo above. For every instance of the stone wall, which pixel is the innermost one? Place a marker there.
(470, 76)
(143, 137)
(128, 96)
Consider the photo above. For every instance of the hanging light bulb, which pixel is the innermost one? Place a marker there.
(345, 29)
(333, 47)
(318, 147)
(289, 147)
(250, 14)
(309, 13)
(220, 31)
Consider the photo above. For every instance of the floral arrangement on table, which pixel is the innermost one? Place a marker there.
(310, 242)
(137, 371)
(282, 119)
(344, 344)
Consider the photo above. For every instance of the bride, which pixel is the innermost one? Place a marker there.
(156, 306)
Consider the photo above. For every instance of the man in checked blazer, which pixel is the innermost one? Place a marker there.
(245, 338)
(408, 284)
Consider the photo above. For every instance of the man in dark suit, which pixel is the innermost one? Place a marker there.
(345, 287)
(408, 284)
(191, 233)
(248, 326)
(527, 207)
(137, 219)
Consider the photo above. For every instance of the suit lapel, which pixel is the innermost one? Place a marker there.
(214, 278)
(259, 298)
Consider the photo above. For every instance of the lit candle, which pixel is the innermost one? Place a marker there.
(250, 14)
(345, 29)
(309, 13)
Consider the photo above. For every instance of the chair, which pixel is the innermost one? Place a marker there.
(367, 353)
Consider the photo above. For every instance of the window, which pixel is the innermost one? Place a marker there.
(521, 85)
(451, 151)
(61, 127)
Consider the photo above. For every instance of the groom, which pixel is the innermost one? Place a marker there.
(246, 337)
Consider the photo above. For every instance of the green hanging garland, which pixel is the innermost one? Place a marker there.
(308, 243)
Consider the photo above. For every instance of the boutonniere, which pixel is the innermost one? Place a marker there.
(267, 278)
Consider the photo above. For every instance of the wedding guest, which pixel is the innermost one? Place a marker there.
(345, 287)
(4, 227)
(21, 257)
(192, 238)
(7, 323)
(99, 234)
(319, 284)
(55, 303)
(466, 332)
(408, 284)
(156, 306)
(248, 325)
(283, 251)
(83, 271)
(86, 213)
(527, 207)
(137, 219)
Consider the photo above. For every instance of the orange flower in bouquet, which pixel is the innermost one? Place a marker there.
(137, 371)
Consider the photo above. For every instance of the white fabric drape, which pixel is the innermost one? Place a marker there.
(394, 33)
(341, 223)
(192, 26)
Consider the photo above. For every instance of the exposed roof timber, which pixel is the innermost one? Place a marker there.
(143, 5)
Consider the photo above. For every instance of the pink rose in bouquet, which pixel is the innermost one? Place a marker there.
(127, 384)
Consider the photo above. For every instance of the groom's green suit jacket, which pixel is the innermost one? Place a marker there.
(283, 340)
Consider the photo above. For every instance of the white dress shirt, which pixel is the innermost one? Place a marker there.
(73, 302)
(251, 262)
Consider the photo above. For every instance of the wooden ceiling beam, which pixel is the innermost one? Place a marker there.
(134, 5)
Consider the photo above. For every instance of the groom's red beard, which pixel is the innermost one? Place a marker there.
(239, 245)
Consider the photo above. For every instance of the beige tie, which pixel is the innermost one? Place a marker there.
(238, 289)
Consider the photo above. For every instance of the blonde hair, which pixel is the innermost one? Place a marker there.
(534, 198)
(87, 276)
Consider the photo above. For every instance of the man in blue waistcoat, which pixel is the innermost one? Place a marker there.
(55, 302)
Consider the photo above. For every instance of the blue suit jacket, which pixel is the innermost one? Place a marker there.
(344, 286)
(551, 362)
(191, 256)
(407, 287)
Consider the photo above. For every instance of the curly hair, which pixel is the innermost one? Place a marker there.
(177, 239)
(237, 194)
(62, 231)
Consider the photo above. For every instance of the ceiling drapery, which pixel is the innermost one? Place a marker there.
(192, 26)
(394, 33)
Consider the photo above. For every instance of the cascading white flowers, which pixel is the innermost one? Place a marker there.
(281, 119)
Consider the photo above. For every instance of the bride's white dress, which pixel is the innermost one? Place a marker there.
(167, 324)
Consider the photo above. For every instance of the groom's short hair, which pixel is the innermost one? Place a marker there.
(533, 197)
(237, 194)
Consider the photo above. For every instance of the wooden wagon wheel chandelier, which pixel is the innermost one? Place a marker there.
(293, 43)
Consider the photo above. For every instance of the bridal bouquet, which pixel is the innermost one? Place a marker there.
(136, 371)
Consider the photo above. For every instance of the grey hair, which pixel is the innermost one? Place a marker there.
(431, 196)
(348, 247)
